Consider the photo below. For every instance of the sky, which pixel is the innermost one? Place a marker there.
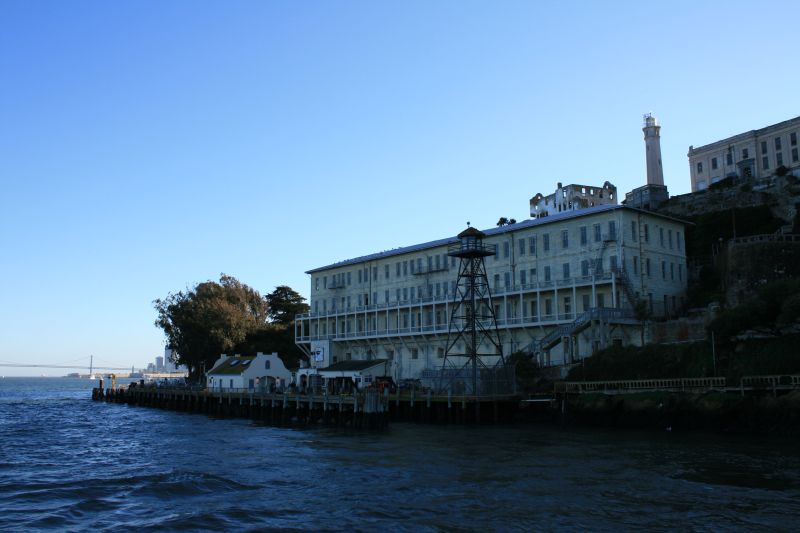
(147, 146)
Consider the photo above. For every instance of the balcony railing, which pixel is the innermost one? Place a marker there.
(578, 281)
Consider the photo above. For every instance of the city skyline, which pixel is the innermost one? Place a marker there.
(146, 150)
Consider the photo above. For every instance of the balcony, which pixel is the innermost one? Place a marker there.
(516, 290)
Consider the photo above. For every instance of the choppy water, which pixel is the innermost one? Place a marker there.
(67, 463)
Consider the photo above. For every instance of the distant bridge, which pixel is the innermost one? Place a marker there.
(21, 365)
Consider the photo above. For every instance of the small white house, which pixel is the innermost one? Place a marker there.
(260, 372)
(345, 375)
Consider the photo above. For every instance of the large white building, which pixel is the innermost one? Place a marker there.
(751, 155)
(562, 287)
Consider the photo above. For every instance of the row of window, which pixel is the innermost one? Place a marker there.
(525, 246)
(526, 276)
(764, 145)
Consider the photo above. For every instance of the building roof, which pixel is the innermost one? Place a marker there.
(353, 365)
(525, 224)
(233, 365)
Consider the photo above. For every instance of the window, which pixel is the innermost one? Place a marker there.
(497, 281)
(359, 275)
(586, 302)
(523, 277)
(386, 272)
(565, 238)
(496, 252)
(794, 155)
(777, 143)
(663, 270)
(419, 264)
(633, 230)
(765, 163)
(763, 147)
(349, 302)
(386, 296)
(532, 245)
(612, 262)
(533, 275)
(585, 268)
(597, 234)
(316, 284)
(661, 236)
(405, 293)
(325, 282)
(438, 289)
(647, 266)
(678, 240)
(405, 268)
(635, 265)
(729, 159)
(440, 353)
(548, 307)
(546, 242)
(672, 271)
(414, 293)
(348, 278)
(745, 153)
(713, 163)
(584, 237)
(534, 309)
(374, 273)
(397, 270)
(411, 266)
(547, 273)
(669, 233)
(646, 233)
(505, 249)
(397, 294)
(565, 270)
(779, 159)
(601, 300)
(414, 353)
(612, 229)
(699, 167)
(522, 247)
(507, 280)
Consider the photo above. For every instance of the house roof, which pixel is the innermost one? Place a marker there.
(233, 365)
(532, 222)
(353, 365)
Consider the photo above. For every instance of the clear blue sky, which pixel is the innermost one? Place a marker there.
(147, 146)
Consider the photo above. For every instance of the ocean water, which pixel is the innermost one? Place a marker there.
(70, 464)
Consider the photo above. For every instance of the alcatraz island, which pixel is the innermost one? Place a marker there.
(653, 311)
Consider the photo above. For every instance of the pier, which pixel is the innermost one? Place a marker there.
(368, 409)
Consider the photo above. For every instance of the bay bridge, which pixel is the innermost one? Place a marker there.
(82, 363)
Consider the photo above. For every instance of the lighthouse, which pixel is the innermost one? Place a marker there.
(652, 143)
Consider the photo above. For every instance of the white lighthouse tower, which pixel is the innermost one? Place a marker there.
(652, 142)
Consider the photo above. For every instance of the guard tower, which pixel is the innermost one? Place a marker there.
(473, 360)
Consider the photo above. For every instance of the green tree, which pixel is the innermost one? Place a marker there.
(284, 305)
(210, 319)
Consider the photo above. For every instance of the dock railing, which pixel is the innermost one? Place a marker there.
(641, 385)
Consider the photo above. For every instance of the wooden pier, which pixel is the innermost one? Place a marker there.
(369, 409)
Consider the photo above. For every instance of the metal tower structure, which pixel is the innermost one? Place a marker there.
(473, 359)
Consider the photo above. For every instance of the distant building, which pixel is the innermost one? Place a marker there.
(159, 364)
(754, 154)
(572, 198)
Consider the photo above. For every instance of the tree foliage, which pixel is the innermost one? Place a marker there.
(284, 305)
(229, 317)
(210, 319)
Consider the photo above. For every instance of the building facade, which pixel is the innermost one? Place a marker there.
(562, 286)
(755, 154)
